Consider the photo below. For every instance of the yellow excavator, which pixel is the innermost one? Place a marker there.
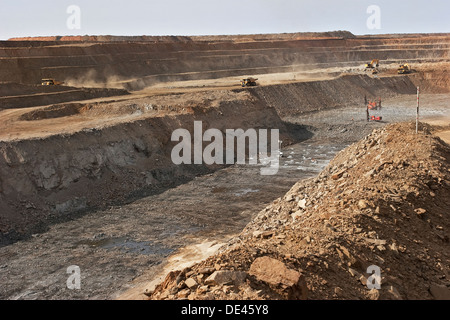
(373, 64)
(51, 82)
(404, 69)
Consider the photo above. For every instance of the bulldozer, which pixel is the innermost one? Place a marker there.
(248, 82)
(372, 64)
(51, 82)
(404, 69)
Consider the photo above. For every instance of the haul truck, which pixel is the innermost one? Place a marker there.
(248, 82)
(51, 82)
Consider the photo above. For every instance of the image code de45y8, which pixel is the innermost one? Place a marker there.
(230, 309)
(246, 309)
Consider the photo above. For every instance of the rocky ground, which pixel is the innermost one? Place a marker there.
(383, 201)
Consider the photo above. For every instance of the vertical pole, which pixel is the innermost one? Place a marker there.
(367, 108)
(417, 112)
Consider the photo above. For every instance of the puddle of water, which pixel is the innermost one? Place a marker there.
(243, 192)
(219, 190)
(129, 246)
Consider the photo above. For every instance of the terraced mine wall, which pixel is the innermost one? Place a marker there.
(135, 65)
(34, 95)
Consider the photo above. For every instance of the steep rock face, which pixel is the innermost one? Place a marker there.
(64, 173)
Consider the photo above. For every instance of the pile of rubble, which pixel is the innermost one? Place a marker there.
(382, 203)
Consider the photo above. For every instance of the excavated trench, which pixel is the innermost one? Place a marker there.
(110, 200)
(108, 164)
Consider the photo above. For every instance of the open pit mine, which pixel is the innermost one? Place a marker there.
(358, 207)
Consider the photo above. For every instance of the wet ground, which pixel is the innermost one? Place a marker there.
(116, 246)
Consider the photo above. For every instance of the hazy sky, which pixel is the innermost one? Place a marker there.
(20, 18)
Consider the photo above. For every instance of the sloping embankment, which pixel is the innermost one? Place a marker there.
(381, 203)
(15, 95)
(42, 180)
(303, 97)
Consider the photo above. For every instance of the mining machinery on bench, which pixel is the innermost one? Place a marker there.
(248, 82)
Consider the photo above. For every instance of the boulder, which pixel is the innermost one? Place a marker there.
(420, 211)
(226, 277)
(338, 175)
(302, 204)
(440, 292)
(362, 204)
(191, 283)
(206, 270)
(283, 280)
